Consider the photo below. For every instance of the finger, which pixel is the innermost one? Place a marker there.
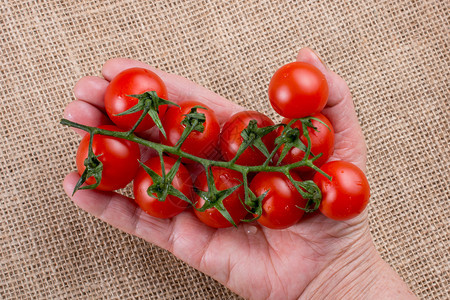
(184, 235)
(338, 89)
(350, 145)
(179, 88)
(85, 113)
(91, 89)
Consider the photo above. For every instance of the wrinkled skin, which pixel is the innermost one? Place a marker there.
(283, 264)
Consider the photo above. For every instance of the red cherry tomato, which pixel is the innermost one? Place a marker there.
(132, 81)
(281, 204)
(347, 194)
(298, 90)
(231, 140)
(202, 144)
(172, 205)
(224, 179)
(322, 141)
(119, 157)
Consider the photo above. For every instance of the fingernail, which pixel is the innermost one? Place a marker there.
(318, 57)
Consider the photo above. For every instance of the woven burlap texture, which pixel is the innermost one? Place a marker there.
(393, 54)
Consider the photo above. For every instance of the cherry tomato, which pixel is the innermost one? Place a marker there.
(298, 90)
(172, 205)
(132, 81)
(231, 140)
(281, 204)
(224, 179)
(347, 194)
(119, 157)
(201, 144)
(322, 141)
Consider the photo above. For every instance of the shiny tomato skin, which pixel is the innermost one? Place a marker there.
(347, 194)
(231, 140)
(201, 144)
(172, 205)
(280, 205)
(132, 81)
(224, 179)
(298, 90)
(322, 141)
(119, 157)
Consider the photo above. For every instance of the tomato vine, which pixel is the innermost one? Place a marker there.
(149, 103)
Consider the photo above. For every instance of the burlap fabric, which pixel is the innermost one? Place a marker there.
(393, 54)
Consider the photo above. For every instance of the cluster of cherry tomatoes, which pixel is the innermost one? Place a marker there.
(297, 91)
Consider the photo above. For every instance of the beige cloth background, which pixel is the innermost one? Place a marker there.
(393, 54)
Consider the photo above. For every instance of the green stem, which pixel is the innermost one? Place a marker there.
(246, 188)
(186, 132)
(271, 155)
(144, 113)
(238, 154)
(289, 176)
(91, 140)
(173, 150)
(163, 169)
(308, 138)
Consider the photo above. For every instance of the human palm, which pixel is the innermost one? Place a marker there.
(253, 261)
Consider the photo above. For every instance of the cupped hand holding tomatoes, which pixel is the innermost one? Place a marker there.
(172, 205)
(118, 156)
(223, 179)
(347, 194)
(298, 90)
(231, 140)
(132, 81)
(216, 257)
(281, 207)
(201, 144)
(322, 141)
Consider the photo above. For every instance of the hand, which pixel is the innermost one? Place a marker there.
(313, 258)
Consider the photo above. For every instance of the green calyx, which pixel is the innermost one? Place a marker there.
(162, 184)
(93, 168)
(148, 103)
(192, 121)
(290, 138)
(252, 136)
(255, 204)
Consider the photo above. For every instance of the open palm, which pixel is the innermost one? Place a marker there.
(254, 262)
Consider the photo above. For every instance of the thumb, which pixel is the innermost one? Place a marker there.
(340, 110)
